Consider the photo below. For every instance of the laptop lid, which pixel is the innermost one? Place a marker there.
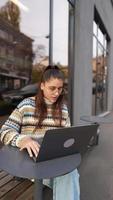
(66, 141)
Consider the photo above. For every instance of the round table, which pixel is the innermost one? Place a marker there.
(20, 164)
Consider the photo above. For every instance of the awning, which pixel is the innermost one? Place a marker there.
(13, 76)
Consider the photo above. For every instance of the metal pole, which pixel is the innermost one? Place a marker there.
(38, 190)
(71, 52)
(51, 33)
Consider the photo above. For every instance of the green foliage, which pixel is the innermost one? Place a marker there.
(11, 13)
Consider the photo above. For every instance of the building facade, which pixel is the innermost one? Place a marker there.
(91, 63)
(15, 57)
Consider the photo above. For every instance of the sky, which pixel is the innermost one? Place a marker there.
(35, 23)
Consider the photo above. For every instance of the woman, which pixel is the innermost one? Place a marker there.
(33, 116)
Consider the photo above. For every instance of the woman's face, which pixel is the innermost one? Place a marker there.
(52, 89)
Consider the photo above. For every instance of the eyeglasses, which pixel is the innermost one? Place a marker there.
(53, 89)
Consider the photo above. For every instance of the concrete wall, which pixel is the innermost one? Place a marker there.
(82, 77)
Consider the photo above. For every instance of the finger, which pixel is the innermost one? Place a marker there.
(32, 147)
(29, 151)
(22, 148)
(36, 143)
(35, 150)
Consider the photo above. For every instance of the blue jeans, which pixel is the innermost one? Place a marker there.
(65, 187)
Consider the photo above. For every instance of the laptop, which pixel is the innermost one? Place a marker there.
(65, 141)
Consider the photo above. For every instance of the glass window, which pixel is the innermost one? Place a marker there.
(25, 37)
(94, 28)
(100, 36)
(60, 32)
(100, 70)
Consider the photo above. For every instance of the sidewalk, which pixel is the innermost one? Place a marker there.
(96, 170)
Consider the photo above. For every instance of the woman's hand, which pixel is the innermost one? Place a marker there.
(31, 145)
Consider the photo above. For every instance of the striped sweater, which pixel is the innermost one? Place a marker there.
(22, 122)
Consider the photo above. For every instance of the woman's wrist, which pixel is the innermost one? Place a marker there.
(13, 141)
(19, 139)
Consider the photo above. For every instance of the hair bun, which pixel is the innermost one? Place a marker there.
(51, 67)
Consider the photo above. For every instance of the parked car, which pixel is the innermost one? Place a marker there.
(2, 90)
(15, 96)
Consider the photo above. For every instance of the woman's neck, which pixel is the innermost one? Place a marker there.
(47, 101)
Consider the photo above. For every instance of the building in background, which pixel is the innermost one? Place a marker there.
(90, 53)
(16, 57)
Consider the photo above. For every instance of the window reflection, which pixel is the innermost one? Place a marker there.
(100, 70)
(24, 39)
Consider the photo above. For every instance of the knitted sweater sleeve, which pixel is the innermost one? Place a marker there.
(11, 128)
(10, 132)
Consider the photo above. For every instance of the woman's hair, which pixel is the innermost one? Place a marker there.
(41, 107)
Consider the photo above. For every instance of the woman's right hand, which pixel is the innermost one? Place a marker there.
(31, 145)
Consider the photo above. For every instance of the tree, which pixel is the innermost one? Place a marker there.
(11, 13)
(38, 69)
(39, 52)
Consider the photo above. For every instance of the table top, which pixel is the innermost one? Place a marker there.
(97, 119)
(20, 164)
